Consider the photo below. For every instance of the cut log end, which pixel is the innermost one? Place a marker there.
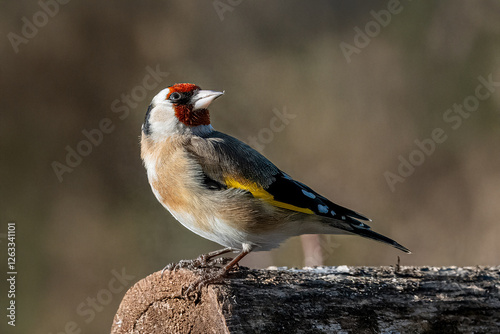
(155, 305)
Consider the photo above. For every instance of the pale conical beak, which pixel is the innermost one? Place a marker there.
(203, 98)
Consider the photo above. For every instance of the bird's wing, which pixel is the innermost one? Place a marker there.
(227, 163)
(286, 190)
(233, 164)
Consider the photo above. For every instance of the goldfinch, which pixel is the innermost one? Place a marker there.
(223, 190)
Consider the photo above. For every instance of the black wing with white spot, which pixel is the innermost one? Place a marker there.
(296, 194)
(285, 189)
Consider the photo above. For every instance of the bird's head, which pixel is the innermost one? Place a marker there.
(179, 109)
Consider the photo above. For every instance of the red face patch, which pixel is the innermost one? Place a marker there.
(184, 110)
(182, 88)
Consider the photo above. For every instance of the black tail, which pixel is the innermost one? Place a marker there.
(354, 226)
(367, 233)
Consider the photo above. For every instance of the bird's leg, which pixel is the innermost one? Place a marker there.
(216, 277)
(200, 261)
(204, 259)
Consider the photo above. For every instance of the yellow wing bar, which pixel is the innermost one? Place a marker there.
(259, 192)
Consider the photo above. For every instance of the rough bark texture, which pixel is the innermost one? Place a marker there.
(321, 300)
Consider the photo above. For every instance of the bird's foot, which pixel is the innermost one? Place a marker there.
(202, 261)
(193, 291)
(208, 276)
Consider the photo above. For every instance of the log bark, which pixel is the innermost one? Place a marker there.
(320, 300)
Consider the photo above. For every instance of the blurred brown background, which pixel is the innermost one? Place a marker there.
(356, 112)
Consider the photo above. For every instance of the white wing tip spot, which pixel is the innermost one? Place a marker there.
(322, 208)
(308, 194)
(332, 212)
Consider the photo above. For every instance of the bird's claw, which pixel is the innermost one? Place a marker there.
(200, 262)
(194, 289)
(220, 261)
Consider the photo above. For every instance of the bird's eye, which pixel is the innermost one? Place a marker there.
(175, 96)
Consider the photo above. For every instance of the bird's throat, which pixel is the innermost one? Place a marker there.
(188, 116)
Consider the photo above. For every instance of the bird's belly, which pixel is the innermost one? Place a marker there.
(227, 234)
(212, 228)
(227, 230)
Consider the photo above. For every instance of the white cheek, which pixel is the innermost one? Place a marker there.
(164, 124)
(161, 96)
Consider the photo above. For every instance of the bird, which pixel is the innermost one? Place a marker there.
(224, 190)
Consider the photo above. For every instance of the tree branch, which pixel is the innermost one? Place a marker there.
(323, 300)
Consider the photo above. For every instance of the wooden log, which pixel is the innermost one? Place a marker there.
(320, 300)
